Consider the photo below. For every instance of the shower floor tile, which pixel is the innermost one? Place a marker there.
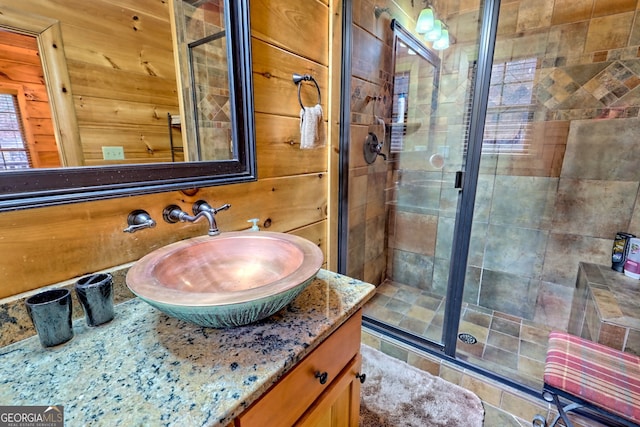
(508, 327)
(477, 318)
(499, 356)
(504, 341)
(506, 344)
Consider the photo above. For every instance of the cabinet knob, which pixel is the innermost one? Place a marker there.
(322, 376)
(361, 377)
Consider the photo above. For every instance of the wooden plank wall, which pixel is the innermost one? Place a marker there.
(123, 79)
(21, 74)
(120, 61)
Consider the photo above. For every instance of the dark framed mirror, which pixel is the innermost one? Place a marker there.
(27, 188)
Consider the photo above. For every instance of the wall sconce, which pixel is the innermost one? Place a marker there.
(433, 30)
(436, 32)
(425, 21)
(443, 42)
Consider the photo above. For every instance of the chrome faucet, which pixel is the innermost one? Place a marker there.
(201, 209)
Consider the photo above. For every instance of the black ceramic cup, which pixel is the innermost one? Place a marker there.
(50, 312)
(95, 294)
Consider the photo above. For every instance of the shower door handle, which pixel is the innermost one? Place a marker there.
(459, 179)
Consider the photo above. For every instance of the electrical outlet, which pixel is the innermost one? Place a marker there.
(113, 153)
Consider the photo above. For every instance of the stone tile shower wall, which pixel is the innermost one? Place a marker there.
(371, 91)
(371, 187)
(540, 213)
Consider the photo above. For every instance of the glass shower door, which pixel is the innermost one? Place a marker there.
(549, 196)
(501, 328)
(428, 147)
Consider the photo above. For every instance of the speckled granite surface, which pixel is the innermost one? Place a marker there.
(145, 368)
(15, 324)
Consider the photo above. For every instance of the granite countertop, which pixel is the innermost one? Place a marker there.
(145, 368)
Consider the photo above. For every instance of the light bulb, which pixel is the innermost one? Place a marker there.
(443, 42)
(436, 32)
(425, 21)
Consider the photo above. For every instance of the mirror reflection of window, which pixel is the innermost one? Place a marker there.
(13, 149)
(27, 137)
(400, 91)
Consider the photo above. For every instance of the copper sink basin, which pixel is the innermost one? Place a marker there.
(228, 280)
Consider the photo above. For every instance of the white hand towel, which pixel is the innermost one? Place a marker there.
(312, 134)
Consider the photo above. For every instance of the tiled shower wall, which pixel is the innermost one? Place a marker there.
(537, 215)
(371, 91)
(371, 186)
(540, 215)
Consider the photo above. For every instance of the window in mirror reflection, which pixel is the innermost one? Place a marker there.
(400, 108)
(27, 137)
(13, 147)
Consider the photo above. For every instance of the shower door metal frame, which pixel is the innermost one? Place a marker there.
(467, 199)
(345, 136)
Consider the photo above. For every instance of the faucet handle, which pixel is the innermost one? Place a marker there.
(222, 208)
(203, 206)
(137, 220)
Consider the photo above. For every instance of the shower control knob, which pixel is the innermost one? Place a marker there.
(373, 148)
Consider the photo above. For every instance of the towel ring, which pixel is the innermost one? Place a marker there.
(298, 79)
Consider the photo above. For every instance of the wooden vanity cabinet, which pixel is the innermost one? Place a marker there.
(304, 398)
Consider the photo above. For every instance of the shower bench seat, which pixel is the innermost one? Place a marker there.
(591, 376)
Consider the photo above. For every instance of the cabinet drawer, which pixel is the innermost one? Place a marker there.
(287, 400)
(339, 405)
